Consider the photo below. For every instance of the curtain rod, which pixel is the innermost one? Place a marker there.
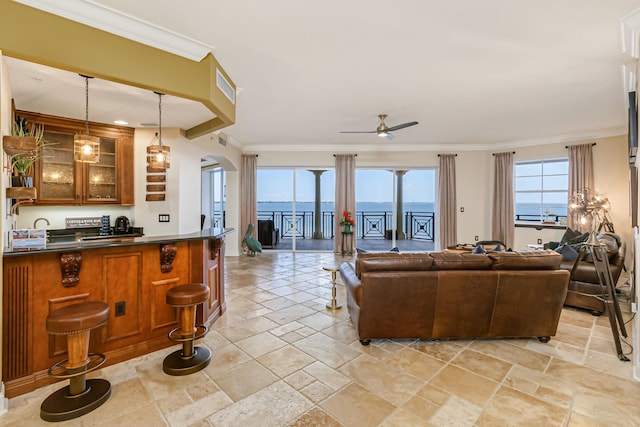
(455, 154)
(355, 155)
(513, 152)
(566, 146)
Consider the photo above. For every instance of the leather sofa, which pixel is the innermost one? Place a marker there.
(450, 295)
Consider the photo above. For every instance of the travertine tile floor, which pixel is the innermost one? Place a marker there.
(280, 358)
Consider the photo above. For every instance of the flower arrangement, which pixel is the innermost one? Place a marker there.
(346, 219)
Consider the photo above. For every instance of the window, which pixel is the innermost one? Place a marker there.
(541, 190)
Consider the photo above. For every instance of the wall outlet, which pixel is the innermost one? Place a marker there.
(476, 237)
(163, 218)
(539, 241)
(462, 209)
(120, 308)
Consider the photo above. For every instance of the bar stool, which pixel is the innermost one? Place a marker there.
(81, 396)
(189, 359)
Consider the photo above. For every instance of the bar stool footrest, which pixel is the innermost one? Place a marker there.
(96, 360)
(193, 337)
(177, 365)
(62, 406)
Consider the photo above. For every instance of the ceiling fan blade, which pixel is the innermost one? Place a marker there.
(348, 131)
(402, 126)
(390, 136)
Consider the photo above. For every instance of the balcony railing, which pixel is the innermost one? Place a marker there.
(369, 225)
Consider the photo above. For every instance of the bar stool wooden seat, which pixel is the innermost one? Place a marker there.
(81, 396)
(189, 359)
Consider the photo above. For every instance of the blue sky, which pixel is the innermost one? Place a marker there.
(372, 185)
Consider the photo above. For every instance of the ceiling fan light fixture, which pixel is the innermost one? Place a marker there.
(383, 133)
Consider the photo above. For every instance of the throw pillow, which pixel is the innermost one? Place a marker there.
(577, 239)
(479, 250)
(568, 252)
(394, 249)
(568, 234)
(498, 248)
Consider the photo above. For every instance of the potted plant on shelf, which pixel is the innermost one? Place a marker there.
(23, 160)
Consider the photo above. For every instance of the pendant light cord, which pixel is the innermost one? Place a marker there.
(160, 118)
(86, 97)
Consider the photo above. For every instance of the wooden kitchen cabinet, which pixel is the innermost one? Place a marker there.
(62, 181)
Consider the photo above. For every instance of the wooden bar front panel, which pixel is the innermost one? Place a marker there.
(128, 275)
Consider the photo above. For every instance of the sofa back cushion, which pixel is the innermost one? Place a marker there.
(392, 261)
(464, 261)
(526, 260)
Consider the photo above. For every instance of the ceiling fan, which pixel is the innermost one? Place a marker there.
(383, 130)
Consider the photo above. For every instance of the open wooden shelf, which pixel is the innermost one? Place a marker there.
(21, 193)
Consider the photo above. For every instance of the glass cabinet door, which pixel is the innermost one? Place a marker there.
(100, 182)
(58, 172)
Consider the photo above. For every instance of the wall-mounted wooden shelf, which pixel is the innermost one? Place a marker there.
(18, 144)
(21, 193)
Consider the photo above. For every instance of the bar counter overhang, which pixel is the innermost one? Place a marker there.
(130, 274)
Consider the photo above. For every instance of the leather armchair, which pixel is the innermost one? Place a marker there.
(585, 290)
(268, 235)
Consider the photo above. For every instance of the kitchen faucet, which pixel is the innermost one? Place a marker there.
(38, 219)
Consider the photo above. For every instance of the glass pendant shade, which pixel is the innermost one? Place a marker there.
(158, 156)
(86, 148)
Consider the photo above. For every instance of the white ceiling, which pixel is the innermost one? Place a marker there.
(475, 74)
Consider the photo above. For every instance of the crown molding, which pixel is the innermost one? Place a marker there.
(98, 16)
(391, 147)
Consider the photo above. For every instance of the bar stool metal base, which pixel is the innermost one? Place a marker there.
(62, 406)
(178, 365)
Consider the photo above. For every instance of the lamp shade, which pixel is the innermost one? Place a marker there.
(158, 156)
(86, 148)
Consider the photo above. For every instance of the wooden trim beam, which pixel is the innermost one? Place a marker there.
(36, 36)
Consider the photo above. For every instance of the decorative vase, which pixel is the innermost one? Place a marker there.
(346, 228)
(21, 180)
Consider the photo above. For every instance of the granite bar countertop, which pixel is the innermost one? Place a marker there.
(116, 240)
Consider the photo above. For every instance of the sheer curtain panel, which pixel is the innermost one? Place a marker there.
(503, 210)
(248, 196)
(447, 201)
(580, 177)
(345, 196)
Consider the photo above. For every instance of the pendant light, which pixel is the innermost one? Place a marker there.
(158, 154)
(86, 148)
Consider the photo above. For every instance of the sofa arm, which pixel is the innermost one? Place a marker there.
(351, 282)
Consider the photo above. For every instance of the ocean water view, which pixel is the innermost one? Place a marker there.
(328, 207)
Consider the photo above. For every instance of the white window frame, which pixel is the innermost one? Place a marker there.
(542, 191)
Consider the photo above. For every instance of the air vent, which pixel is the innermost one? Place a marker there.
(222, 139)
(224, 85)
(155, 125)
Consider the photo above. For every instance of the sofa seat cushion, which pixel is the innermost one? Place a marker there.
(464, 261)
(526, 260)
(392, 261)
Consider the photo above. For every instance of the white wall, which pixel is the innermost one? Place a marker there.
(611, 170)
(5, 129)
(184, 185)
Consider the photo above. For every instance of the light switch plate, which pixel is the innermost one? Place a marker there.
(163, 218)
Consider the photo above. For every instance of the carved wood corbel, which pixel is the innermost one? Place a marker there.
(70, 264)
(167, 254)
(214, 246)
